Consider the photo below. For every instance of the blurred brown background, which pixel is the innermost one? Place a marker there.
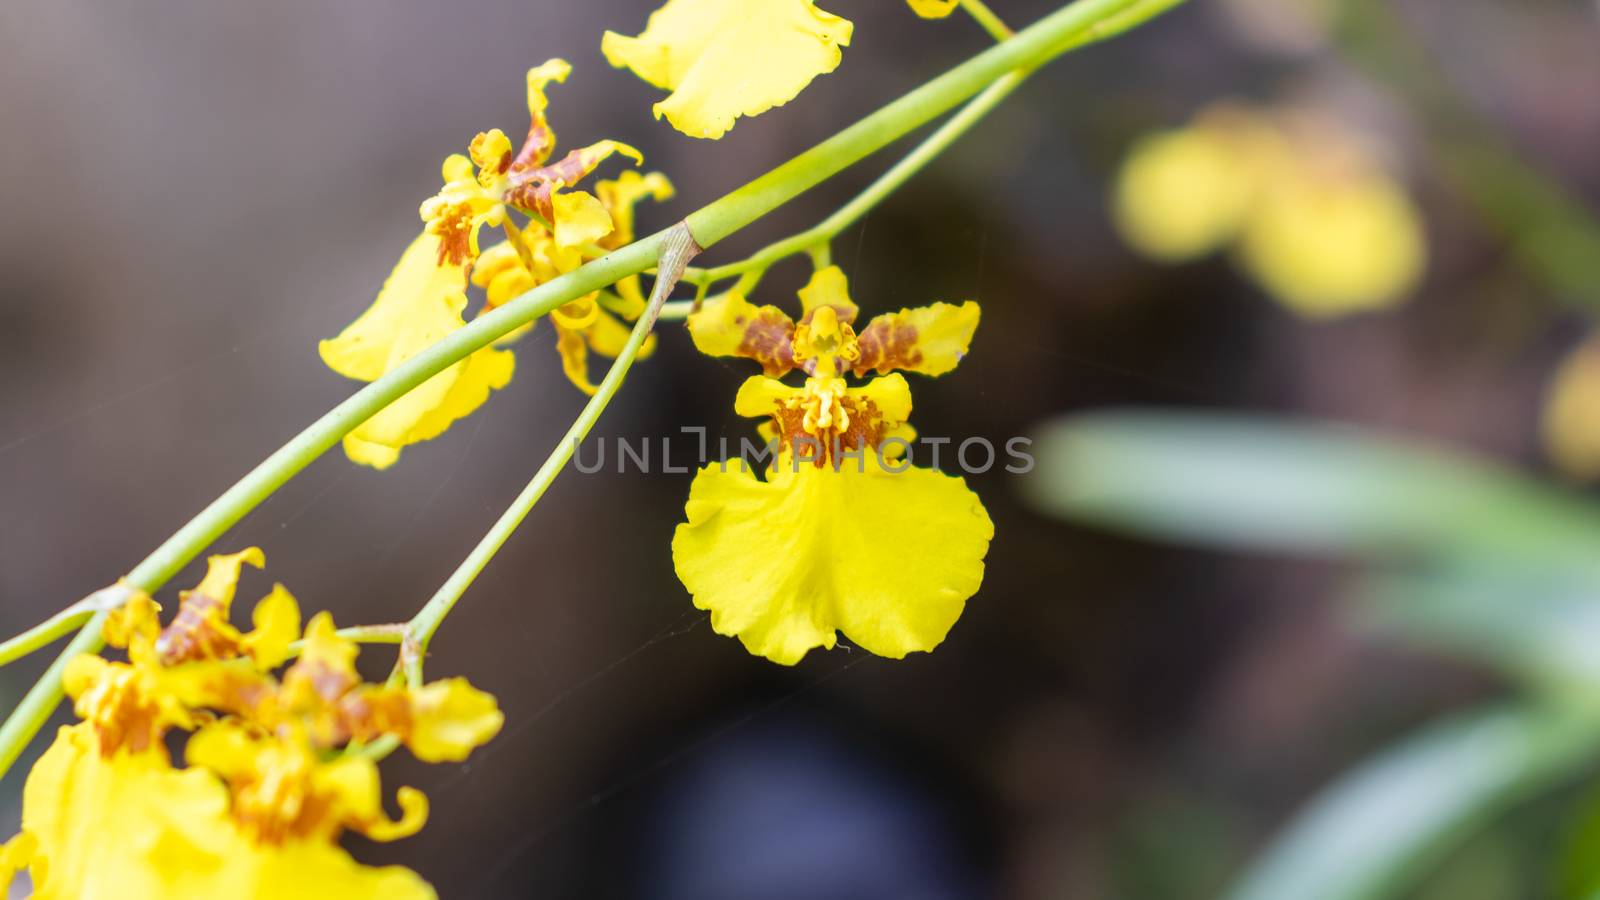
(196, 193)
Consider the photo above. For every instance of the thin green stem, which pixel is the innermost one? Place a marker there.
(986, 19)
(676, 253)
(755, 265)
(1051, 36)
(925, 152)
(58, 625)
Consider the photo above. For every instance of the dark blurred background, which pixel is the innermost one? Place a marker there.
(196, 193)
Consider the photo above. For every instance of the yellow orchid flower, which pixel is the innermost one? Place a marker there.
(836, 538)
(260, 806)
(593, 322)
(933, 9)
(424, 298)
(723, 59)
(1316, 220)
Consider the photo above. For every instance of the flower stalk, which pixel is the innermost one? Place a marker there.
(1075, 25)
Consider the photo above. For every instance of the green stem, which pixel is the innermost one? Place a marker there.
(43, 634)
(677, 250)
(1051, 36)
(986, 19)
(913, 162)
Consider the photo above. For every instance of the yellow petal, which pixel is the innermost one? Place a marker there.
(277, 625)
(607, 336)
(222, 573)
(127, 826)
(889, 559)
(761, 395)
(829, 287)
(730, 325)
(412, 297)
(1571, 419)
(621, 194)
(728, 58)
(574, 352)
(449, 719)
(890, 396)
(579, 218)
(929, 339)
(1327, 246)
(134, 621)
(933, 9)
(133, 827)
(14, 857)
(420, 304)
(541, 138)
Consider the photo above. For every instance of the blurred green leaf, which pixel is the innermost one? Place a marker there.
(1379, 828)
(1540, 629)
(1578, 864)
(1243, 481)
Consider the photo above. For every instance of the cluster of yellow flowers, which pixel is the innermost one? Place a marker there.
(721, 59)
(843, 534)
(425, 296)
(258, 809)
(1315, 217)
(887, 553)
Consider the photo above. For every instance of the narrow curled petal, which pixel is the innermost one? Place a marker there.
(574, 352)
(420, 304)
(888, 558)
(202, 629)
(222, 573)
(277, 625)
(541, 138)
(728, 58)
(730, 325)
(933, 9)
(929, 339)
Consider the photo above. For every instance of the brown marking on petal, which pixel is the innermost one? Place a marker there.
(865, 432)
(368, 713)
(531, 189)
(535, 148)
(454, 228)
(199, 631)
(768, 339)
(888, 343)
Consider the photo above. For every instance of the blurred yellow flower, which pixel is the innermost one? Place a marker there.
(838, 537)
(1314, 217)
(424, 298)
(593, 322)
(260, 807)
(723, 59)
(933, 9)
(1571, 418)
